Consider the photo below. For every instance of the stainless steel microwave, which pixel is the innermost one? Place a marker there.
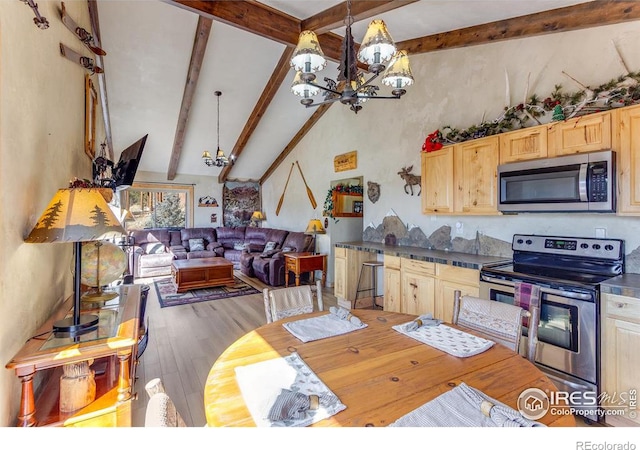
(584, 182)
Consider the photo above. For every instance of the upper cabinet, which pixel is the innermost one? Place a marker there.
(628, 153)
(461, 178)
(521, 145)
(579, 135)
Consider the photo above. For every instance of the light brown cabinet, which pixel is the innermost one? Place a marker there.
(461, 179)
(628, 133)
(579, 135)
(418, 287)
(347, 266)
(448, 280)
(522, 145)
(421, 287)
(437, 181)
(620, 356)
(392, 284)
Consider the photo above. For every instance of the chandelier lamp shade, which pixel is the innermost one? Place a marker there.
(352, 86)
(220, 160)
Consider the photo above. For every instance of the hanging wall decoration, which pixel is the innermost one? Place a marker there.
(346, 161)
(410, 180)
(373, 191)
(239, 200)
(207, 201)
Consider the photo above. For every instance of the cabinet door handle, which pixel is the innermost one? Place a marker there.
(414, 285)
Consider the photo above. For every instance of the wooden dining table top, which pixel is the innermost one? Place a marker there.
(377, 372)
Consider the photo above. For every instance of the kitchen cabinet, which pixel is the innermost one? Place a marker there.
(418, 287)
(620, 356)
(347, 266)
(448, 280)
(392, 284)
(524, 144)
(476, 176)
(462, 178)
(437, 181)
(579, 135)
(628, 153)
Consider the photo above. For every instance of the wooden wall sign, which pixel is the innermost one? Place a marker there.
(346, 161)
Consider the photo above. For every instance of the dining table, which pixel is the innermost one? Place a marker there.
(379, 374)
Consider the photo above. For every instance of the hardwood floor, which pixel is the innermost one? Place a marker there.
(185, 341)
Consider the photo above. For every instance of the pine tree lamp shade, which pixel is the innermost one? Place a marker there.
(76, 215)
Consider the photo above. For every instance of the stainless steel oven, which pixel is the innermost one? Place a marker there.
(568, 271)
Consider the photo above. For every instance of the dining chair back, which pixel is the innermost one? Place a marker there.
(291, 301)
(500, 322)
(161, 411)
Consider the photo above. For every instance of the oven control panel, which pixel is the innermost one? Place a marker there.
(585, 247)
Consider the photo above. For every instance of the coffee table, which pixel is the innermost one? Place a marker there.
(200, 273)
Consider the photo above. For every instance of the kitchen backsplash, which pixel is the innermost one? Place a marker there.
(393, 231)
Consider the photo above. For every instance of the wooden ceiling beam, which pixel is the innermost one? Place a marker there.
(262, 20)
(333, 17)
(319, 112)
(203, 30)
(271, 89)
(584, 15)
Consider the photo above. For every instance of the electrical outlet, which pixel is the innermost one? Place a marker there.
(459, 228)
(601, 232)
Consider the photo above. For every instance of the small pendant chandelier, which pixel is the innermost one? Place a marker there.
(351, 86)
(220, 160)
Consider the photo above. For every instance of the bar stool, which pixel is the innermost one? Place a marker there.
(373, 266)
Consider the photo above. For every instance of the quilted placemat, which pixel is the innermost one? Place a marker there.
(450, 340)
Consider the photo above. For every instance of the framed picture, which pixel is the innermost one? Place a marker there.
(90, 101)
(357, 207)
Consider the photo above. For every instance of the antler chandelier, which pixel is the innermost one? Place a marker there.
(220, 160)
(351, 87)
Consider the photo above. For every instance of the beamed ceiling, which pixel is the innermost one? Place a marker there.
(166, 58)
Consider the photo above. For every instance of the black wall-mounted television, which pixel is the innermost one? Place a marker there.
(125, 171)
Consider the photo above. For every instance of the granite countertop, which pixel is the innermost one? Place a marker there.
(627, 284)
(467, 260)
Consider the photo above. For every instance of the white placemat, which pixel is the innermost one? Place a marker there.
(321, 327)
(464, 406)
(450, 340)
(261, 383)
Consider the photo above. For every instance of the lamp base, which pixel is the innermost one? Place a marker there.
(69, 327)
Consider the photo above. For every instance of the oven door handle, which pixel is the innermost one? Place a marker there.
(545, 290)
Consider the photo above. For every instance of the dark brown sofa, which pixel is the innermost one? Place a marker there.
(154, 249)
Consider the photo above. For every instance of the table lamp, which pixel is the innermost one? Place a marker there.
(315, 227)
(76, 215)
(257, 217)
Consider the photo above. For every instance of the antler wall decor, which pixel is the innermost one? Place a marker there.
(39, 20)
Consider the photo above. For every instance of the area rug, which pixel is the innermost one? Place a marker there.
(167, 295)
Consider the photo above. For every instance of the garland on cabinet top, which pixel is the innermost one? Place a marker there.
(619, 92)
(327, 210)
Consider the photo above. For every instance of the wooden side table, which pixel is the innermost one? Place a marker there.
(304, 262)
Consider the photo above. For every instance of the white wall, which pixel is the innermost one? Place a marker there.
(41, 149)
(458, 88)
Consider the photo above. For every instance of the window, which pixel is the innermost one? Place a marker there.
(158, 205)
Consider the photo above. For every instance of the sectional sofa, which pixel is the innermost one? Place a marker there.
(257, 252)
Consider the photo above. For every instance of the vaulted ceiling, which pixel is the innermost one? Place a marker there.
(165, 59)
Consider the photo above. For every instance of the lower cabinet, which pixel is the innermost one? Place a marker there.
(620, 357)
(419, 287)
(450, 279)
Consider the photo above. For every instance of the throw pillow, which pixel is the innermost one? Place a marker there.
(287, 249)
(269, 253)
(196, 245)
(270, 246)
(153, 248)
(239, 246)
